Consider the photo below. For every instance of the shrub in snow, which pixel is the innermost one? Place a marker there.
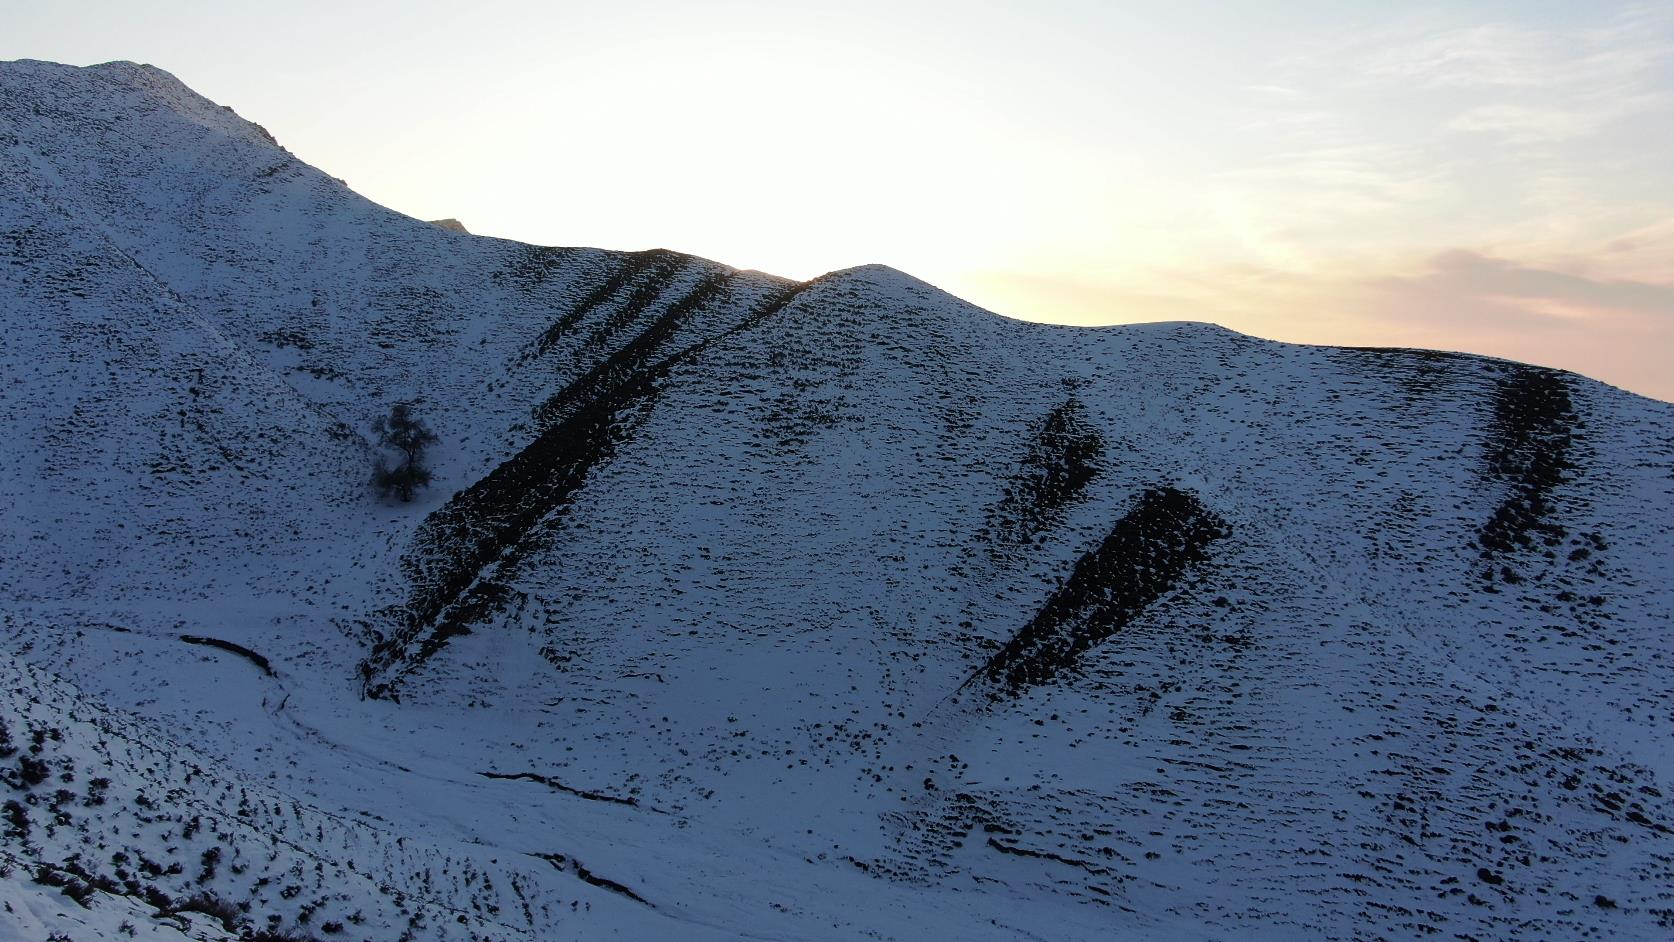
(407, 434)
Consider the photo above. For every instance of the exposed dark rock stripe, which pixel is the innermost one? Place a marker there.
(230, 647)
(481, 600)
(1016, 851)
(558, 786)
(1422, 374)
(531, 265)
(636, 353)
(660, 277)
(573, 866)
(1144, 556)
(1528, 448)
(482, 526)
(649, 272)
(1062, 459)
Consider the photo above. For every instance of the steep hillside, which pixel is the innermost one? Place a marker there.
(743, 607)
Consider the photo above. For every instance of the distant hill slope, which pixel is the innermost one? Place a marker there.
(751, 608)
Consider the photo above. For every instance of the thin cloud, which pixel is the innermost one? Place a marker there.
(1616, 329)
(1536, 291)
(1615, 55)
(1530, 122)
(1645, 254)
(1533, 85)
(1488, 55)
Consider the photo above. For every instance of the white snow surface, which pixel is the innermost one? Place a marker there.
(743, 608)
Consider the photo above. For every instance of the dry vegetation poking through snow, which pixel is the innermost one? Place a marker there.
(741, 607)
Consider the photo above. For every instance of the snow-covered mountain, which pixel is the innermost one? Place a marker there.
(749, 608)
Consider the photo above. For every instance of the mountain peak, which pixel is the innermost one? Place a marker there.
(119, 90)
(742, 607)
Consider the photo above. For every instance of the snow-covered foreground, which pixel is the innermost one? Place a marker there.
(747, 608)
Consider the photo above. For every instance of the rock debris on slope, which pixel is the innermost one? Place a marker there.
(812, 610)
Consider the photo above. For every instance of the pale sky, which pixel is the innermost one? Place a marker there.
(1496, 177)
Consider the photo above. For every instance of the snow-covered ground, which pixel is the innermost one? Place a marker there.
(746, 608)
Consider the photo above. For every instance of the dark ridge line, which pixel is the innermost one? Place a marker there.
(607, 289)
(525, 488)
(661, 262)
(571, 865)
(532, 266)
(482, 524)
(1146, 553)
(635, 353)
(556, 785)
(481, 598)
(237, 649)
(559, 460)
(644, 294)
(1529, 447)
(1061, 460)
(1016, 851)
(1419, 353)
(1421, 374)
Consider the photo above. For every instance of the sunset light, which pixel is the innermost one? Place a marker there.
(1442, 175)
(746, 470)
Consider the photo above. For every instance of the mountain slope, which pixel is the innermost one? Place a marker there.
(751, 608)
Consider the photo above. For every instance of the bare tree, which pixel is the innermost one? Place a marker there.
(407, 434)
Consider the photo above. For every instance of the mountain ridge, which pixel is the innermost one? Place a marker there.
(779, 609)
